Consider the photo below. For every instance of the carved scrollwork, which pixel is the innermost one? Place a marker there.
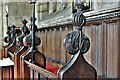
(85, 44)
(71, 42)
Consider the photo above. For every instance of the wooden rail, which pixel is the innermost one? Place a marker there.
(40, 70)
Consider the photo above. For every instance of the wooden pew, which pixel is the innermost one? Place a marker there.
(76, 44)
(48, 74)
(12, 48)
(23, 49)
(39, 58)
(7, 71)
(7, 40)
(15, 52)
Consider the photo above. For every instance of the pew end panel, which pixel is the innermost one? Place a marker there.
(6, 69)
(39, 61)
(4, 51)
(77, 67)
(17, 59)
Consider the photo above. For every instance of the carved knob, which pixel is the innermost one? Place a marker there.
(27, 40)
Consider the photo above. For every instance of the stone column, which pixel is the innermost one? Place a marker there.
(37, 13)
(43, 10)
(1, 28)
(52, 6)
(61, 5)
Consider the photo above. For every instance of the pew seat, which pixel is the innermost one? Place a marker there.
(76, 67)
(6, 62)
(53, 67)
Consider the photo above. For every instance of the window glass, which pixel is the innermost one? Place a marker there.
(87, 4)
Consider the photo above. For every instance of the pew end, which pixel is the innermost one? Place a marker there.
(76, 68)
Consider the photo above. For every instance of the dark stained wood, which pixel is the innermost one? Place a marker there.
(11, 55)
(10, 50)
(83, 70)
(17, 55)
(7, 72)
(39, 60)
(4, 53)
(25, 71)
(11, 72)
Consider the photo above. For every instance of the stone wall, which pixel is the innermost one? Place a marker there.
(18, 11)
(101, 4)
(1, 27)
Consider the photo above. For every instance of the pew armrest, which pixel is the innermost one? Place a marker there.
(6, 62)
